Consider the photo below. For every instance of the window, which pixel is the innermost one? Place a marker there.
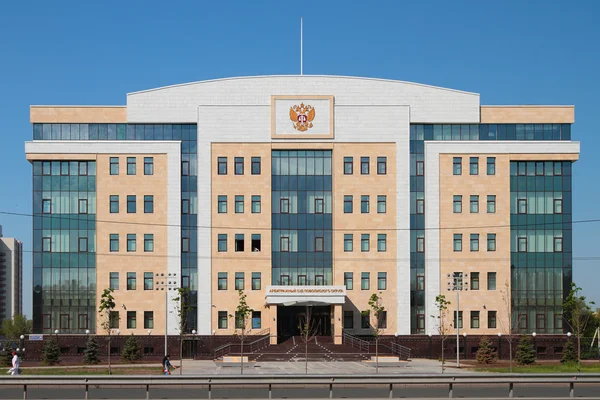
(185, 206)
(131, 204)
(113, 281)
(46, 206)
(491, 319)
(474, 280)
(148, 165)
(381, 242)
(349, 280)
(256, 320)
(460, 320)
(348, 241)
(558, 206)
(46, 169)
(222, 242)
(364, 165)
(319, 244)
(83, 168)
(491, 203)
(256, 204)
(457, 204)
(364, 204)
(130, 165)
(557, 168)
(114, 204)
(301, 280)
(222, 165)
(131, 245)
(364, 281)
(256, 242)
(522, 168)
(148, 281)
(474, 166)
(381, 280)
(64, 168)
(256, 281)
(238, 165)
(420, 283)
(185, 245)
(148, 319)
(458, 242)
(284, 244)
(420, 244)
(474, 241)
(420, 168)
(457, 166)
(348, 319)
(539, 168)
(255, 166)
(239, 242)
(83, 245)
(381, 165)
(491, 242)
(347, 204)
(522, 321)
(364, 320)
(131, 281)
(148, 204)
(348, 167)
(114, 165)
(381, 204)
(239, 281)
(114, 242)
(491, 165)
(319, 205)
(319, 280)
(491, 281)
(474, 201)
(521, 206)
(47, 244)
(284, 205)
(522, 244)
(113, 320)
(474, 319)
(222, 280)
(382, 320)
(364, 242)
(222, 316)
(148, 242)
(420, 206)
(222, 204)
(239, 204)
(83, 206)
(185, 168)
(558, 245)
(83, 322)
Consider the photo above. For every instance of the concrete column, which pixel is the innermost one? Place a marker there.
(273, 323)
(338, 320)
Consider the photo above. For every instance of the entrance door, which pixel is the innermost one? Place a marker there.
(291, 320)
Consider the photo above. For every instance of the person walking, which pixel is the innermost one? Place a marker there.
(15, 364)
(166, 365)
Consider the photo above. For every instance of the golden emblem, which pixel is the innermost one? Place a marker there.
(302, 116)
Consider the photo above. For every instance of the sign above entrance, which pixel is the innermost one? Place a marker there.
(302, 117)
(305, 295)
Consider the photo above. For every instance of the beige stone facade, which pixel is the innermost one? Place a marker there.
(527, 114)
(78, 114)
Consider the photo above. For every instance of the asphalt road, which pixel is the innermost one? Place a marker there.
(473, 392)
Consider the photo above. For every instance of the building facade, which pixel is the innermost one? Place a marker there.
(302, 191)
(11, 277)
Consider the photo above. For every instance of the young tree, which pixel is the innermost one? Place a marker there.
(183, 309)
(577, 315)
(507, 323)
(525, 351)
(443, 327)
(132, 350)
(377, 315)
(243, 313)
(108, 317)
(14, 328)
(569, 353)
(51, 352)
(91, 352)
(308, 331)
(485, 354)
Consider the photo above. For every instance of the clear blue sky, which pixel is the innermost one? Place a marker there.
(511, 52)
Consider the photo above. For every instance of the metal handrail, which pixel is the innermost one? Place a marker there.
(222, 350)
(353, 341)
(401, 351)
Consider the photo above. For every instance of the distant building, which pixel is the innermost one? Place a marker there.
(11, 277)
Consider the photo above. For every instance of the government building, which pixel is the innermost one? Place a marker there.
(302, 191)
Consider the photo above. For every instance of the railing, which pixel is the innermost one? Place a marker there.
(365, 382)
(401, 351)
(259, 343)
(222, 350)
(353, 341)
(250, 346)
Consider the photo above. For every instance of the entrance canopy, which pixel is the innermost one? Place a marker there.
(305, 295)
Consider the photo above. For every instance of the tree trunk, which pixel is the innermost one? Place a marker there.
(443, 355)
(579, 352)
(377, 355)
(109, 369)
(242, 356)
(510, 354)
(180, 355)
(306, 355)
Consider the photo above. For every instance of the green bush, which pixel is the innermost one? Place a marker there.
(132, 350)
(91, 352)
(569, 352)
(51, 352)
(485, 354)
(525, 351)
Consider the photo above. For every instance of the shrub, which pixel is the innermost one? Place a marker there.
(525, 352)
(569, 352)
(51, 352)
(132, 350)
(485, 354)
(91, 352)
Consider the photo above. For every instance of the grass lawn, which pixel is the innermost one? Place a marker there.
(92, 371)
(542, 368)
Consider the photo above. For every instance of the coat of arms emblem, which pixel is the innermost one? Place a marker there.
(302, 117)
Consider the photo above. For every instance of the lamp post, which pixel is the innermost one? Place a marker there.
(457, 282)
(194, 335)
(166, 284)
(465, 343)
(499, 345)
(22, 337)
(533, 335)
(56, 336)
(430, 346)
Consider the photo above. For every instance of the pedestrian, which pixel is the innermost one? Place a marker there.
(166, 365)
(15, 364)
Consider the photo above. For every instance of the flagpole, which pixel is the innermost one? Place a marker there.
(300, 45)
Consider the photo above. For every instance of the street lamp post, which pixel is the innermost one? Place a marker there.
(465, 344)
(22, 337)
(166, 284)
(194, 335)
(533, 335)
(499, 345)
(457, 282)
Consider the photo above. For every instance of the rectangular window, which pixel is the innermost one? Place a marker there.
(256, 281)
(222, 280)
(558, 206)
(319, 244)
(348, 280)
(222, 165)
(381, 280)
(420, 168)
(256, 204)
(491, 319)
(284, 244)
(185, 245)
(46, 169)
(148, 204)
(364, 165)
(474, 166)
(420, 244)
(131, 204)
(239, 242)
(364, 281)
(113, 320)
(348, 241)
(148, 281)
(319, 280)
(539, 168)
(348, 165)
(130, 165)
(239, 204)
(148, 242)
(557, 168)
(382, 320)
(522, 244)
(381, 204)
(222, 242)
(474, 202)
(238, 165)
(83, 245)
(457, 166)
(83, 168)
(114, 165)
(381, 242)
(420, 283)
(148, 165)
(255, 166)
(474, 319)
(558, 245)
(131, 281)
(474, 280)
(256, 242)
(491, 242)
(239, 281)
(222, 320)
(256, 320)
(458, 242)
(114, 242)
(457, 204)
(381, 165)
(319, 205)
(521, 206)
(83, 321)
(460, 319)
(46, 206)
(348, 319)
(521, 168)
(420, 206)
(522, 321)
(64, 168)
(185, 206)
(364, 242)
(365, 320)
(364, 204)
(491, 281)
(114, 204)
(83, 206)
(474, 241)
(491, 165)
(148, 319)
(284, 205)
(185, 168)
(491, 204)
(222, 204)
(47, 244)
(131, 245)
(301, 280)
(347, 204)
(113, 281)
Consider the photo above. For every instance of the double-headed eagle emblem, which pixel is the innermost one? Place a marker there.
(302, 117)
